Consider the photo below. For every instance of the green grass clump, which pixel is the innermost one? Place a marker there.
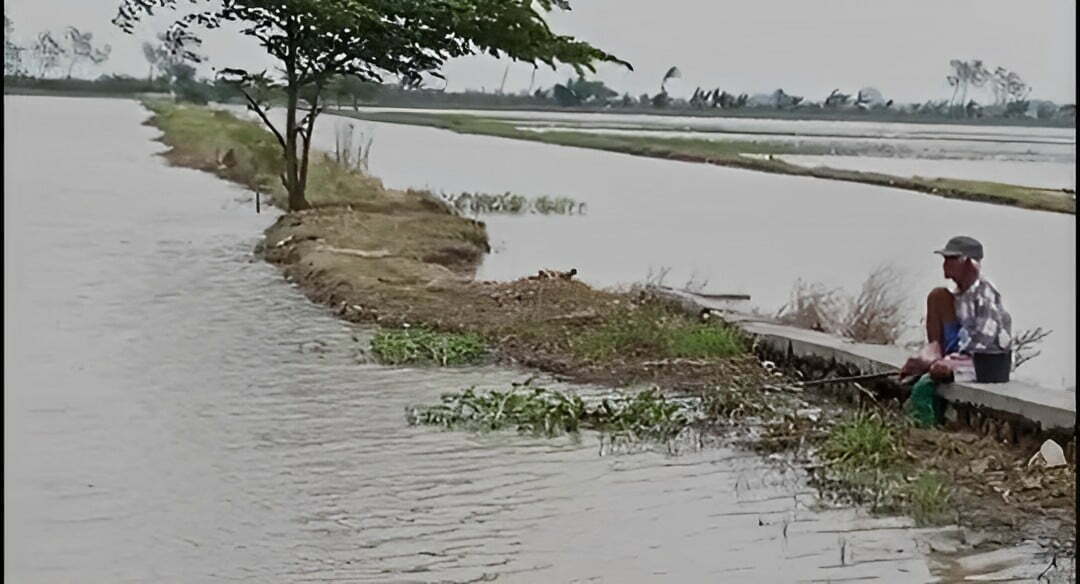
(705, 340)
(422, 346)
(200, 137)
(651, 331)
(865, 460)
(928, 498)
(647, 415)
(864, 441)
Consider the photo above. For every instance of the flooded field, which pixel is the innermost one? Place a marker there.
(175, 411)
(1049, 175)
(894, 140)
(743, 231)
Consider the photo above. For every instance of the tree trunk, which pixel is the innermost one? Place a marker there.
(308, 132)
(297, 202)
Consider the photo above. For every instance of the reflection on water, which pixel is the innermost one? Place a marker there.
(169, 416)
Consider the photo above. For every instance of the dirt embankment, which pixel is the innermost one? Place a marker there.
(391, 258)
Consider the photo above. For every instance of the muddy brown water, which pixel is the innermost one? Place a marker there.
(176, 412)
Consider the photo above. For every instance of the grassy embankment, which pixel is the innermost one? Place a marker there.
(398, 258)
(407, 258)
(733, 153)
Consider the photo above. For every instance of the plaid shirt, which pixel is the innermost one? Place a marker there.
(984, 322)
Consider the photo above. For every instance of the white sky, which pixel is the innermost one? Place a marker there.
(807, 47)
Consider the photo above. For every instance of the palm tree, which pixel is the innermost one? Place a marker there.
(672, 73)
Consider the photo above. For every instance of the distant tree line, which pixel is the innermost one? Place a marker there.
(1005, 95)
(49, 62)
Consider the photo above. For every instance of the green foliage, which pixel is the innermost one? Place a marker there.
(512, 204)
(532, 411)
(106, 85)
(863, 441)
(928, 498)
(580, 90)
(706, 340)
(647, 415)
(316, 42)
(653, 331)
(422, 346)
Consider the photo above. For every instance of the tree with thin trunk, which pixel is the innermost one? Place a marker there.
(317, 40)
(154, 57)
(81, 48)
(12, 52)
(47, 52)
(672, 73)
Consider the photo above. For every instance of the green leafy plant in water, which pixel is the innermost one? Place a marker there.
(647, 415)
(512, 204)
(422, 346)
(535, 411)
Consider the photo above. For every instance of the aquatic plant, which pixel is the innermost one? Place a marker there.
(647, 415)
(423, 346)
(512, 204)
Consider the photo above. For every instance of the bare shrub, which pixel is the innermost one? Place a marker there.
(875, 315)
(344, 153)
(696, 283)
(813, 306)
(1024, 343)
(655, 277)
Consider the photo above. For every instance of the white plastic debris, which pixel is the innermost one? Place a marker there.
(1052, 453)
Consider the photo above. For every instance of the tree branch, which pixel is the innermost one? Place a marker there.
(255, 106)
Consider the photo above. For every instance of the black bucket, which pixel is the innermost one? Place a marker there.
(992, 366)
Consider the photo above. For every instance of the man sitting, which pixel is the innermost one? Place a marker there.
(970, 319)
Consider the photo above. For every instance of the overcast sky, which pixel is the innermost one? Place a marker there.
(807, 47)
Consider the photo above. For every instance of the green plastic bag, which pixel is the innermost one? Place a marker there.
(924, 406)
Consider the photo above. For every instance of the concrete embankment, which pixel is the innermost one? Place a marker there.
(1015, 411)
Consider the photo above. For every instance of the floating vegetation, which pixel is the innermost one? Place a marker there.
(426, 347)
(512, 204)
(645, 416)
